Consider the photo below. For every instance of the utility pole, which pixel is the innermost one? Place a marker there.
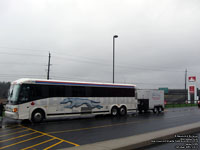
(185, 84)
(48, 71)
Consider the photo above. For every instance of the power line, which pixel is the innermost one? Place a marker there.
(91, 61)
(117, 66)
(17, 63)
(84, 59)
(21, 54)
(22, 49)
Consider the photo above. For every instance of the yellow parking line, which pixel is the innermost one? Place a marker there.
(53, 145)
(14, 133)
(11, 129)
(43, 133)
(13, 126)
(38, 144)
(21, 142)
(17, 137)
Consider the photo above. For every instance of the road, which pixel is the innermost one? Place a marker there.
(75, 131)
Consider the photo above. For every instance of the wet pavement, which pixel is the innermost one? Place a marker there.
(75, 131)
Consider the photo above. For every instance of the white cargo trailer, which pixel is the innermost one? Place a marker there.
(150, 100)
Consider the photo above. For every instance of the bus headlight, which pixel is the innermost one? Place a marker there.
(15, 110)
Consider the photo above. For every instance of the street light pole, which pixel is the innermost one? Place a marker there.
(115, 36)
(48, 66)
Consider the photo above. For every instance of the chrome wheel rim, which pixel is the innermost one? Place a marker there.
(38, 117)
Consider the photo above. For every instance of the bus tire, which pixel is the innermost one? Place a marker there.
(122, 111)
(37, 116)
(114, 111)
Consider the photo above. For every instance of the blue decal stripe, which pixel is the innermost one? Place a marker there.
(82, 84)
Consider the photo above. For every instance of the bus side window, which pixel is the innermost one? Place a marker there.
(78, 91)
(68, 91)
(45, 91)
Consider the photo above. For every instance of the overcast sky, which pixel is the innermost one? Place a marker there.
(158, 40)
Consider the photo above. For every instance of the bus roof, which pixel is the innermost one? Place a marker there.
(70, 83)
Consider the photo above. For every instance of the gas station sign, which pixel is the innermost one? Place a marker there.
(192, 79)
(191, 89)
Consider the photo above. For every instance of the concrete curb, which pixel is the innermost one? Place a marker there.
(141, 140)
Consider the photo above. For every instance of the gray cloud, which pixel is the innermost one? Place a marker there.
(157, 40)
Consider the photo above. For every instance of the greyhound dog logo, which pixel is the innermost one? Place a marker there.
(77, 102)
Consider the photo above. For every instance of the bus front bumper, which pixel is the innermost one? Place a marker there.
(12, 115)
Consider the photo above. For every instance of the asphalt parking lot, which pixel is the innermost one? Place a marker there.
(74, 131)
(19, 136)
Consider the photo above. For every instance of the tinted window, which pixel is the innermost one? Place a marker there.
(25, 94)
(78, 91)
(30, 92)
(56, 91)
(112, 92)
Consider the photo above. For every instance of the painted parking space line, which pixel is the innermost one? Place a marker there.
(10, 129)
(38, 144)
(21, 142)
(17, 137)
(14, 133)
(46, 134)
(53, 145)
(11, 126)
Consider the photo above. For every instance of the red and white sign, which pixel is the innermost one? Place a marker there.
(192, 79)
(191, 89)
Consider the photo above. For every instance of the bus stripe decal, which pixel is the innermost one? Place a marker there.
(76, 113)
(82, 84)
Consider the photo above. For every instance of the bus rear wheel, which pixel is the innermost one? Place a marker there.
(37, 116)
(114, 111)
(122, 111)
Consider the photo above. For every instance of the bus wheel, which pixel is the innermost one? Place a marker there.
(114, 111)
(155, 110)
(122, 111)
(37, 116)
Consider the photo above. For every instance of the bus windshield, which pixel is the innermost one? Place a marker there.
(13, 93)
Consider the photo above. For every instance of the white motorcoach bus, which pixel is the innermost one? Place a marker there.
(37, 99)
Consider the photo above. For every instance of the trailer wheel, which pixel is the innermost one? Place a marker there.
(155, 110)
(122, 111)
(37, 116)
(159, 109)
(114, 111)
(140, 111)
(162, 109)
